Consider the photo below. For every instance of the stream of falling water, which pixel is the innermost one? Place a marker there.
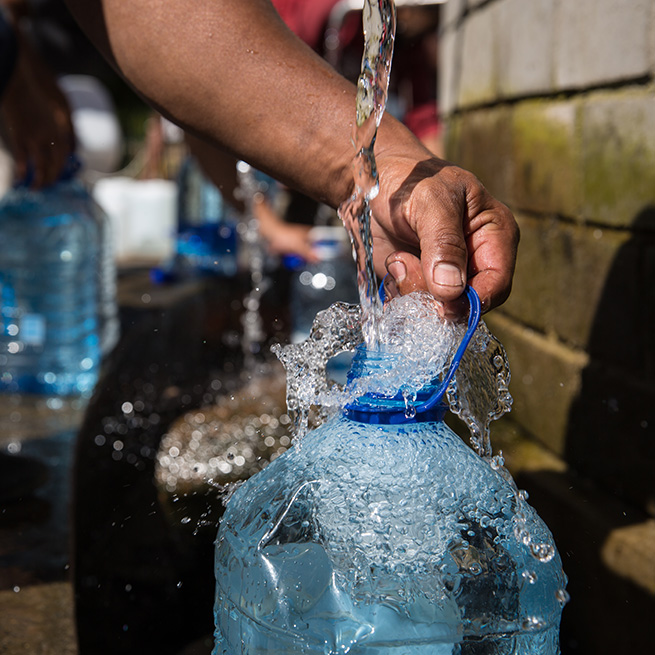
(479, 392)
(379, 18)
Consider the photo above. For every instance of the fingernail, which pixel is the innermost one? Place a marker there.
(397, 271)
(447, 275)
(390, 287)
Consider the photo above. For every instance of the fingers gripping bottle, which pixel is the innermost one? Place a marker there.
(383, 533)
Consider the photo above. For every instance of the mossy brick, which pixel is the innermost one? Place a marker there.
(478, 68)
(545, 380)
(566, 284)
(618, 144)
(547, 153)
(451, 137)
(481, 142)
(601, 42)
(525, 47)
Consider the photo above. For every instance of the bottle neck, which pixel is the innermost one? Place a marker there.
(376, 408)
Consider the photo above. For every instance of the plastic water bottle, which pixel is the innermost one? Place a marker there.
(206, 235)
(54, 305)
(108, 319)
(382, 533)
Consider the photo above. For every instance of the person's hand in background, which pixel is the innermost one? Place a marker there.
(35, 119)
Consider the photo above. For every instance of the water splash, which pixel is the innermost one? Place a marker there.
(253, 327)
(479, 392)
(335, 330)
(379, 18)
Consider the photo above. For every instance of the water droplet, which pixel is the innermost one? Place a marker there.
(563, 596)
(529, 576)
(475, 568)
(543, 552)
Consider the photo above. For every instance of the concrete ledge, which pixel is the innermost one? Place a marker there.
(38, 620)
(630, 553)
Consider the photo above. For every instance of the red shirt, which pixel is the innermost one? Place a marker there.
(307, 19)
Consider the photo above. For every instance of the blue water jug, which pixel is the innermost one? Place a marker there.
(51, 319)
(382, 533)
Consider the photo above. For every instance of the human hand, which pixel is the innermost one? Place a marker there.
(283, 238)
(436, 227)
(36, 120)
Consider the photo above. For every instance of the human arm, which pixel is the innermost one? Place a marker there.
(232, 73)
(35, 115)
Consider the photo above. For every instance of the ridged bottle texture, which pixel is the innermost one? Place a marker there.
(57, 291)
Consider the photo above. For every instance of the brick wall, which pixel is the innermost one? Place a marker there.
(552, 104)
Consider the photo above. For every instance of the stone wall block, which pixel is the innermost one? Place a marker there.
(618, 142)
(451, 12)
(478, 73)
(547, 154)
(525, 47)
(652, 39)
(610, 609)
(449, 56)
(577, 283)
(482, 143)
(545, 380)
(601, 41)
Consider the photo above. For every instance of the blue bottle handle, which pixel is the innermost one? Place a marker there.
(430, 409)
(474, 318)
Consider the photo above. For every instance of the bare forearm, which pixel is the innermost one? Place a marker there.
(231, 72)
(289, 114)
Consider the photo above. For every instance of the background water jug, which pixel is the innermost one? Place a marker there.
(383, 533)
(57, 284)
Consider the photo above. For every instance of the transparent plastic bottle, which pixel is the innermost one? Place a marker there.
(382, 533)
(109, 322)
(51, 275)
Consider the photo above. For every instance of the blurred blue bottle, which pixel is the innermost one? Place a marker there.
(57, 285)
(384, 534)
(206, 234)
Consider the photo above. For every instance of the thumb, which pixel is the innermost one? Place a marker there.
(444, 257)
